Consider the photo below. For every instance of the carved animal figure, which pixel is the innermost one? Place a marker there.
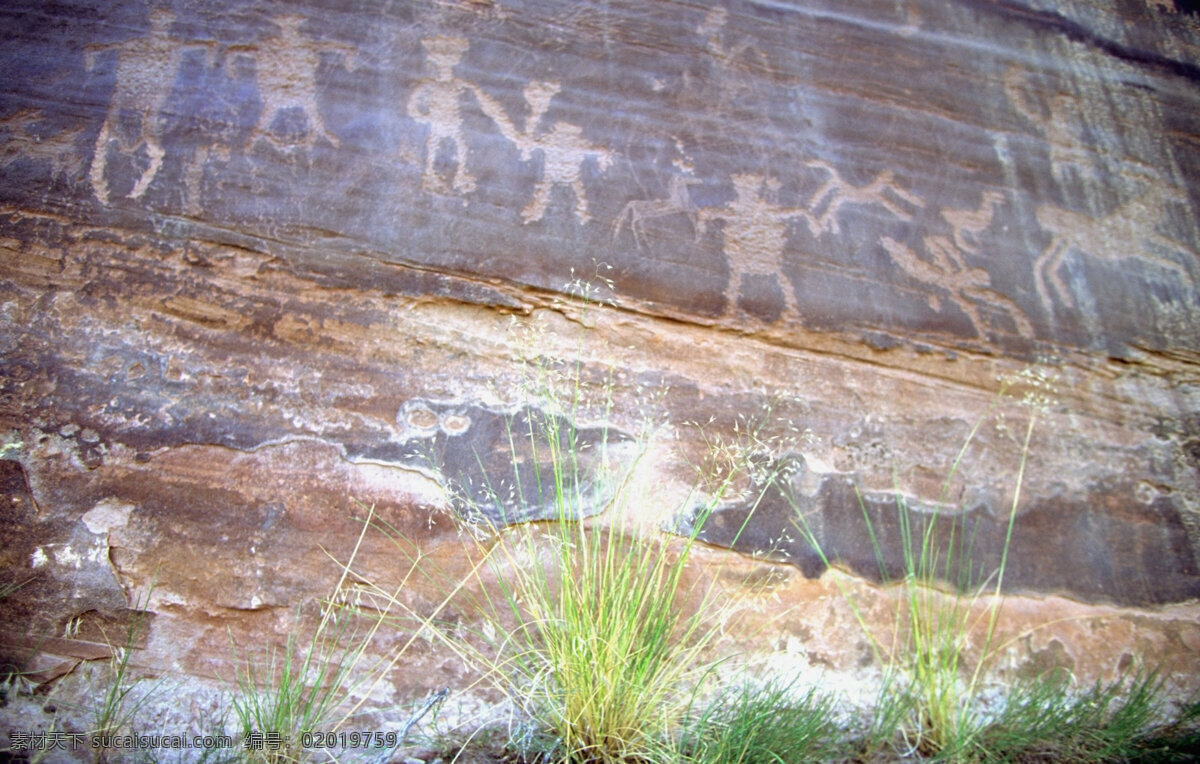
(678, 201)
(968, 287)
(835, 193)
(1125, 233)
(973, 222)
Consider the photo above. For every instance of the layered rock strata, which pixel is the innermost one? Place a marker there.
(263, 265)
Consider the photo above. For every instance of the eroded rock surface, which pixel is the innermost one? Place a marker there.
(883, 536)
(262, 266)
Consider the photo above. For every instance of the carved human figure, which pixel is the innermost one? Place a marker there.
(1062, 123)
(730, 60)
(435, 103)
(286, 73)
(745, 52)
(948, 270)
(145, 73)
(754, 237)
(563, 148)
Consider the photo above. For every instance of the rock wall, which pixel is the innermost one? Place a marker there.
(260, 260)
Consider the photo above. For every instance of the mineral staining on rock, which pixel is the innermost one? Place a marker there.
(866, 533)
(254, 264)
(500, 468)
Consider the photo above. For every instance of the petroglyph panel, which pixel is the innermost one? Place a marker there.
(803, 180)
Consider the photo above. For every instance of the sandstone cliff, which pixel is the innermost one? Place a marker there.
(260, 259)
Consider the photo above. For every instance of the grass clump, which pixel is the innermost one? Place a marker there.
(604, 648)
(120, 702)
(1175, 741)
(1046, 720)
(769, 724)
(588, 622)
(300, 689)
(591, 628)
(314, 685)
(942, 643)
(611, 635)
(943, 628)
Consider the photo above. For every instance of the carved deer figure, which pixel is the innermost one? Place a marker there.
(1122, 234)
(678, 201)
(835, 193)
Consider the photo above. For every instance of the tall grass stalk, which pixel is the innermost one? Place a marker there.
(9, 589)
(120, 703)
(929, 692)
(590, 628)
(593, 628)
(940, 625)
(298, 691)
(315, 685)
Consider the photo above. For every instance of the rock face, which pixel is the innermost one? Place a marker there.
(259, 261)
